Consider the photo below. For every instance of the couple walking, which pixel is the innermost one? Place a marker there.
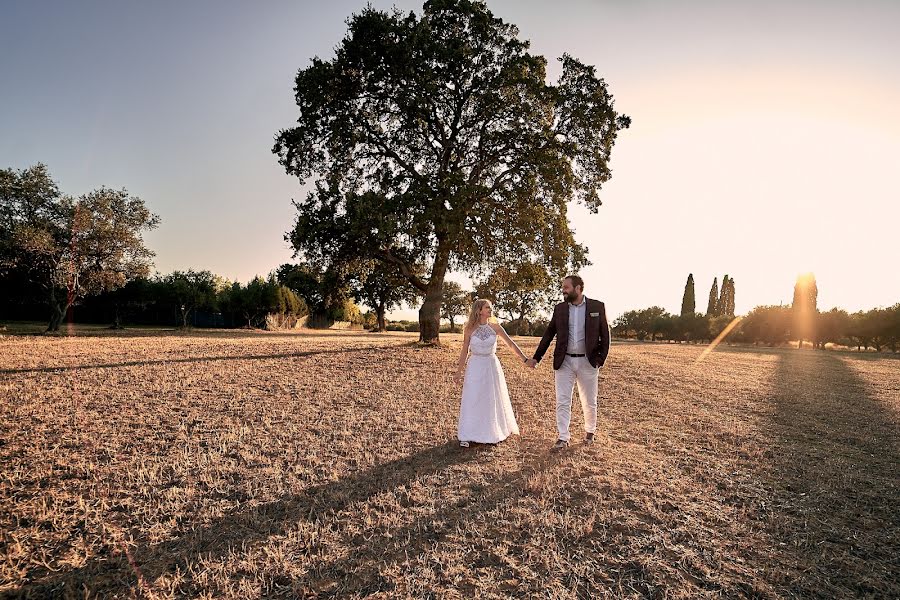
(582, 344)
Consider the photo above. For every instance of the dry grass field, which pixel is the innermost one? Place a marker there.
(242, 465)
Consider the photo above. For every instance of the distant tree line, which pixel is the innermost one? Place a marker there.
(878, 328)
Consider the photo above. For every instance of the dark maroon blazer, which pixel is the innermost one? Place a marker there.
(596, 334)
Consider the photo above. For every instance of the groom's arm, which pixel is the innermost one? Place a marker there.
(604, 335)
(546, 339)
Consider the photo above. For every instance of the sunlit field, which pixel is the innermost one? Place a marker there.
(224, 464)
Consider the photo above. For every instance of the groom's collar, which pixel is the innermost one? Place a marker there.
(583, 301)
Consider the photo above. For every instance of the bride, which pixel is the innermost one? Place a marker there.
(485, 413)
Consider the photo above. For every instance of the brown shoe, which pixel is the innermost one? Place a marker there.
(560, 445)
(589, 438)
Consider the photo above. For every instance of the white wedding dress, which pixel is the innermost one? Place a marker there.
(485, 413)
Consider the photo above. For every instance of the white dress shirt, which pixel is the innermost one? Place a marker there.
(576, 327)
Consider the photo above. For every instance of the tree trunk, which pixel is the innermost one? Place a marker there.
(430, 311)
(58, 311)
(430, 315)
(117, 317)
(57, 315)
(379, 315)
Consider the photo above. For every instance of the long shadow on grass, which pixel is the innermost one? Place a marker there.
(374, 551)
(111, 573)
(192, 359)
(836, 453)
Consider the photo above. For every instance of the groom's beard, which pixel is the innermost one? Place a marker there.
(571, 297)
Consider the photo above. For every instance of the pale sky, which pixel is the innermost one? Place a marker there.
(765, 139)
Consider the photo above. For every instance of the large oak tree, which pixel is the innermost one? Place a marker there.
(437, 140)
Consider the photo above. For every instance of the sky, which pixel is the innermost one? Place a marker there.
(765, 137)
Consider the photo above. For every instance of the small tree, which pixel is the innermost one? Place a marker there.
(768, 324)
(643, 323)
(135, 294)
(71, 248)
(717, 325)
(519, 291)
(381, 287)
(832, 326)
(892, 326)
(663, 326)
(306, 281)
(188, 291)
(454, 303)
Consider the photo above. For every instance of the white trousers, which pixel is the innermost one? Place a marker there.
(576, 369)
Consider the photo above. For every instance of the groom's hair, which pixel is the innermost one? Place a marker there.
(576, 281)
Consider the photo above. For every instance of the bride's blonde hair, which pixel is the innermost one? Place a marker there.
(474, 313)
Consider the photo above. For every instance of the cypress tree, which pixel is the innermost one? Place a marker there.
(713, 298)
(721, 306)
(804, 308)
(688, 302)
(730, 306)
(726, 298)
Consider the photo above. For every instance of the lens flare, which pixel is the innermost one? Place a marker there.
(718, 339)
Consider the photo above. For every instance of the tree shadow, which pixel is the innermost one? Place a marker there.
(192, 359)
(360, 572)
(112, 573)
(836, 457)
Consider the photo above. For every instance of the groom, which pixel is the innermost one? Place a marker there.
(582, 344)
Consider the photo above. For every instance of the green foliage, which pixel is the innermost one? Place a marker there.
(305, 281)
(188, 291)
(381, 287)
(688, 301)
(832, 326)
(519, 291)
(725, 305)
(455, 302)
(712, 307)
(804, 308)
(649, 322)
(71, 248)
(437, 141)
(328, 294)
(259, 298)
(767, 324)
(717, 325)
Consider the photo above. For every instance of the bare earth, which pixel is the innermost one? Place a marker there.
(225, 464)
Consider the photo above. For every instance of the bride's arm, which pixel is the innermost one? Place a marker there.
(509, 342)
(463, 354)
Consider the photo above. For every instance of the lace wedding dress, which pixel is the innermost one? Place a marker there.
(485, 413)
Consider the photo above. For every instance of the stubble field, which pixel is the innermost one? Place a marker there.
(226, 464)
